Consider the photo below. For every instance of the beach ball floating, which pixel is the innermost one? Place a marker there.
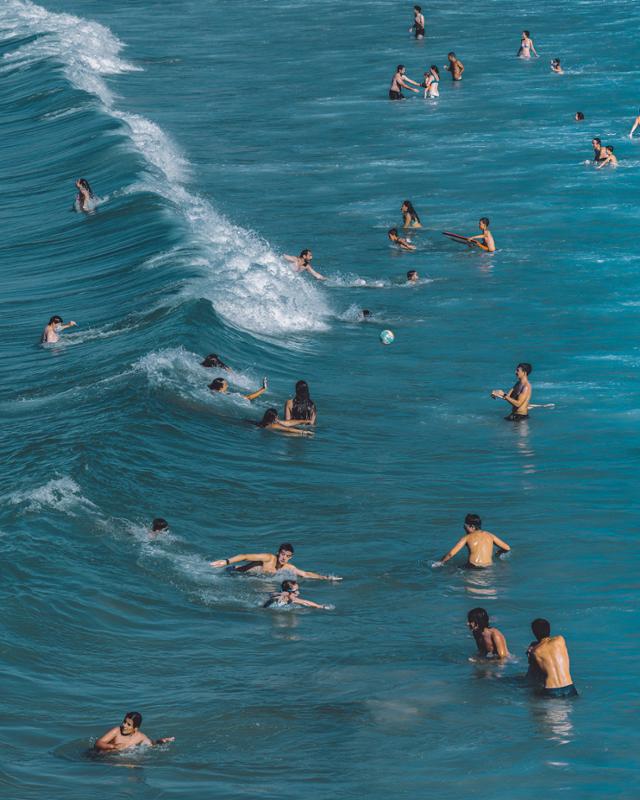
(386, 337)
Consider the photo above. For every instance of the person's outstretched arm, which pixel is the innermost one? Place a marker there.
(300, 602)
(454, 550)
(224, 562)
(315, 274)
(313, 575)
(257, 392)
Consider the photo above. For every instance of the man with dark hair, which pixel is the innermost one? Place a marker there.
(159, 525)
(302, 263)
(418, 22)
(53, 328)
(412, 276)
(222, 385)
(479, 543)
(455, 66)
(485, 239)
(212, 361)
(290, 596)
(549, 661)
(127, 734)
(269, 564)
(399, 82)
(519, 396)
(491, 643)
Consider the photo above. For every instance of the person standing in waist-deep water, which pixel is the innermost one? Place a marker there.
(301, 407)
(85, 196)
(455, 66)
(53, 328)
(302, 263)
(549, 661)
(479, 544)
(127, 735)
(484, 239)
(431, 82)
(526, 46)
(491, 642)
(519, 396)
(598, 154)
(418, 23)
(399, 82)
(410, 218)
(289, 596)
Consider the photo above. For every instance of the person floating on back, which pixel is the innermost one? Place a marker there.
(221, 385)
(403, 244)
(519, 396)
(491, 643)
(549, 661)
(269, 564)
(302, 263)
(127, 735)
(53, 328)
(479, 545)
(289, 596)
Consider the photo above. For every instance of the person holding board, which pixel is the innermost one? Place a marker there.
(483, 240)
(519, 395)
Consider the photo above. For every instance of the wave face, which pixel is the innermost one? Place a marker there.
(217, 137)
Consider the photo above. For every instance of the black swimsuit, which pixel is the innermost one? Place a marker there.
(302, 409)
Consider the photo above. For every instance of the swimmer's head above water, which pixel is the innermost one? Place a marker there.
(82, 183)
(291, 587)
(477, 619)
(56, 320)
(541, 628)
(284, 554)
(306, 255)
(472, 522)
(270, 416)
(579, 117)
(219, 385)
(412, 276)
(523, 369)
(131, 723)
(159, 525)
(212, 360)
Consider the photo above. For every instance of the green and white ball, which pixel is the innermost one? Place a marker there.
(386, 337)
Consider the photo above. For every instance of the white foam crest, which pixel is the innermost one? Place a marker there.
(156, 146)
(59, 494)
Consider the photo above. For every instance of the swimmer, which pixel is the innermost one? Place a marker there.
(271, 422)
(403, 244)
(519, 395)
(635, 125)
(399, 82)
(365, 315)
(579, 116)
(526, 46)
(301, 407)
(84, 196)
(491, 643)
(290, 595)
(455, 67)
(430, 82)
(485, 239)
(549, 661)
(221, 385)
(410, 218)
(479, 543)
(269, 564)
(555, 66)
(608, 158)
(159, 525)
(598, 154)
(127, 735)
(53, 328)
(212, 361)
(418, 22)
(412, 276)
(302, 263)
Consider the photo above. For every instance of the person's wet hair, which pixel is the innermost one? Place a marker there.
(212, 360)
(473, 520)
(526, 33)
(579, 115)
(451, 55)
(555, 62)
(480, 617)
(135, 717)
(55, 320)
(434, 68)
(541, 628)
(411, 274)
(595, 139)
(85, 185)
(305, 253)
(525, 367)
(286, 546)
(270, 416)
(287, 586)
(418, 9)
(411, 210)
(392, 232)
(217, 385)
(159, 524)
(610, 148)
(302, 390)
(399, 67)
(365, 312)
(485, 221)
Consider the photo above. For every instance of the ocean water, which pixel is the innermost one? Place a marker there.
(219, 136)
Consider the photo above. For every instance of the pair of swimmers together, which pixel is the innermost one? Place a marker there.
(603, 154)
(430, 82)
(548, 657)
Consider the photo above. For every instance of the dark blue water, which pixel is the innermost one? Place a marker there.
(217, 137)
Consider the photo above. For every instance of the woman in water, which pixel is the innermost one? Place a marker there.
(526, 46)
(555, 66)
(51, 331)
(301, 407)
(635, 125)
(84, 198)
(431, 81)
(271, 422)
(409, 215)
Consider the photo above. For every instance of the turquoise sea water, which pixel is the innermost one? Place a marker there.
(219, 136)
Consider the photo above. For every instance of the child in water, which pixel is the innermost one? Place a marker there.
(289, 596)
(403, 244)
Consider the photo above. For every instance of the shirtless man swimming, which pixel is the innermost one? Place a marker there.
(519, 396)
(455, 66)
(127, 735)
(290, 596)
(491, 643)
(399, 82)
(53, 328)
(479, 543)
(269, 564)
(302, 263)
(549, 661)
